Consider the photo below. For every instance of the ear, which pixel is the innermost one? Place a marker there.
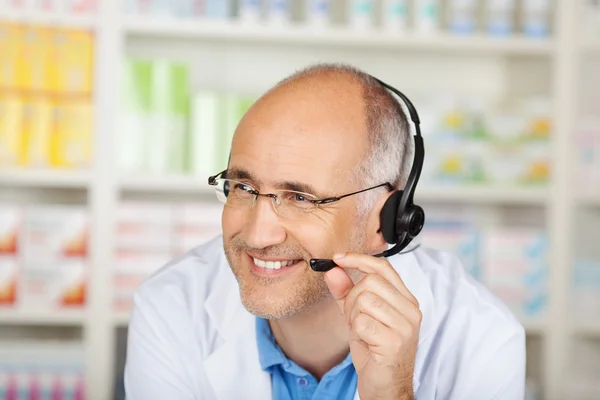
(375, 237)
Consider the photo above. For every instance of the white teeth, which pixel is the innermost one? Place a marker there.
(272, 264)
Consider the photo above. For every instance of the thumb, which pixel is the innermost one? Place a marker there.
(339, 284)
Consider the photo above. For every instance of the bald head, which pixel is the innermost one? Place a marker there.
(389, 152)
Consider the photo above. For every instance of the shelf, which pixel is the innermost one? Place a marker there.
(55, 20)
(589, 199)
(121, 319)
(175, 184)
(535, 326)
(483, 195)
(592, 46)
(336, 36)
(44, 178)
(587, 328)
(46, 318)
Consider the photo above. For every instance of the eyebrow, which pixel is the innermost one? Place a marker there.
(297, 186)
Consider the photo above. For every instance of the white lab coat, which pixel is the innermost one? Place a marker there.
(191, 338)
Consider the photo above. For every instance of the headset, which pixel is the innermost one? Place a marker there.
(401, 220)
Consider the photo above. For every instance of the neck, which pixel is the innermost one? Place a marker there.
(316, 339)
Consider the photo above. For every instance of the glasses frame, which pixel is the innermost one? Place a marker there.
(212, 180)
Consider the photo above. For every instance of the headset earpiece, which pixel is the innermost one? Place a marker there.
(412, 221)
(388, 216)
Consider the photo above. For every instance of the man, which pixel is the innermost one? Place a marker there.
(245, 317)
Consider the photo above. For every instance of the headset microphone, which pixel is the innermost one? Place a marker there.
(400, 219)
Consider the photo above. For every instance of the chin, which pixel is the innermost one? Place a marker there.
(280, 300)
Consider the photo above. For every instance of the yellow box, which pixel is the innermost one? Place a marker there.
(71, 144)
(9, 44)
(71, 62)
(37, 128)
(11, 119)
(33, 70)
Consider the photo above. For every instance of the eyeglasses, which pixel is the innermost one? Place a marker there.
(286, 203)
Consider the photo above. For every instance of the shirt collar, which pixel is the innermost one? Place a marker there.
(269, 353)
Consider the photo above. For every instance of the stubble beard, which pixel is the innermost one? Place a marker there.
(287, 298)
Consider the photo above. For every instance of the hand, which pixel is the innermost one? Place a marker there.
(384, 321)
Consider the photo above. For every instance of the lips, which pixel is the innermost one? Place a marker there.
(273, 264)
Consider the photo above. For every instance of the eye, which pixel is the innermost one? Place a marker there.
(244, 188)
(298, 200)
(299, 197)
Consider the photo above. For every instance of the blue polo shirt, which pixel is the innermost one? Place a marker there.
(289, 381)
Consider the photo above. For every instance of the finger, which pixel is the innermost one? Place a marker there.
(373, 333)
(339, 284)
(373, 265)
(382, 288)
(373, 305)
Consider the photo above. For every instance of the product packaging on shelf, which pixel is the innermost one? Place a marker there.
(132, 267)
(71, 61)
(588, 154)
(203, 156)
(586, 290)
(515, 263)
(195, 224)
(145, 226)
(41, 369)
(135, 102)
(9, 269)
(11, 126)
(71, 142)
(10, 225)
(37, 125)
(458, 237)
(53, 255)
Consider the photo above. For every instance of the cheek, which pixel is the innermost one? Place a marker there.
(322, 236)
(232, 221)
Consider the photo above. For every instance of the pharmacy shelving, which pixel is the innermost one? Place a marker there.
(226, 31)
(121, 319)
(43, 317)
(57, 19)
(44, 178)
(166, 184)
(589, 199)
(589, 328)
(253, 57)
(485, 195)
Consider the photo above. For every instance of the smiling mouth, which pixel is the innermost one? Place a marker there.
(274, 264)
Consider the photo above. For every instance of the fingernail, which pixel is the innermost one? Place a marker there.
(338, 255)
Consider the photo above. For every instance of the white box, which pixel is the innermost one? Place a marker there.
(52, 233)
(8, 279)
(131, 269)
(10, 224)
(145, 226)
(515, 268)
(196, 224)
(50, 286)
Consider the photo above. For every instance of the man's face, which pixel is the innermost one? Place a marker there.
(302, 135)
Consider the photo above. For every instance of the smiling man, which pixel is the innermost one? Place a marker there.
(243, 316)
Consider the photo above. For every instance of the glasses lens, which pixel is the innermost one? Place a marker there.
(234, 193)
(292, 204)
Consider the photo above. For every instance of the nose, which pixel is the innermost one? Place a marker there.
(263, 228)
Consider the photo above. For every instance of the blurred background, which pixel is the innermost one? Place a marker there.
(114, 113)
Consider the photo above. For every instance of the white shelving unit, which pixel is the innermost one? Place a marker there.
(250, 58)
(44, 178)
(74, 318)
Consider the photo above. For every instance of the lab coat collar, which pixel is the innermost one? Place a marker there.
(234, 369)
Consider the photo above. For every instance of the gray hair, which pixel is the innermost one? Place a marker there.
(391, 149)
